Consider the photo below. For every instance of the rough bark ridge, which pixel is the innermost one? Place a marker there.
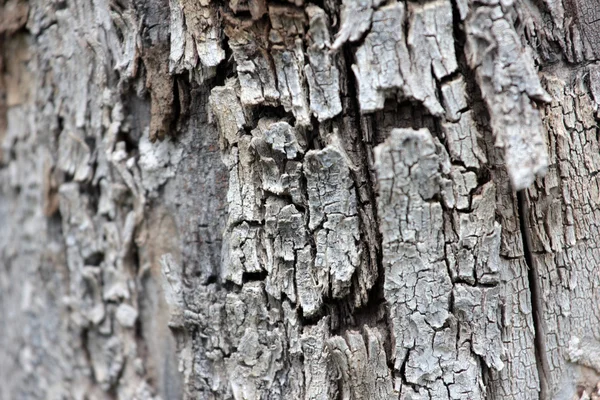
(285, 200)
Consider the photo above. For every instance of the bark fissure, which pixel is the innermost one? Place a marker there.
(536, 300)
(376, 300)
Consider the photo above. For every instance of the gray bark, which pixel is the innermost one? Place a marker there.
(362, 199)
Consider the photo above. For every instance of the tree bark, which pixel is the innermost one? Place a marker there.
(291, 200)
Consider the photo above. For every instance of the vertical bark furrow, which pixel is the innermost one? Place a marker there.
(564, 235)
(536, 299)
(519, 378)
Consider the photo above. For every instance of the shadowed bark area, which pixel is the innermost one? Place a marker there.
(252, 199)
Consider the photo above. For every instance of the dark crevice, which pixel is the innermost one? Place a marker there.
(86, 353)
(536, 298)
(405, 114)
(226, 68)
(314, 141)
(254, 276)
(92, 192)
(458, 44)
(474, 98)
(271, 112)
(179, 108)
(251, 224)
(375, 311)
(94, 259)
(229, 286)
(402, 372)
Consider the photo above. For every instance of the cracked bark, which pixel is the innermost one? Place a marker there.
(348, 199)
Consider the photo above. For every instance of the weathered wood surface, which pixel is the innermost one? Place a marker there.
(361, 199)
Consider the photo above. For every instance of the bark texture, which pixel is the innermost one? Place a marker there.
(245, 199)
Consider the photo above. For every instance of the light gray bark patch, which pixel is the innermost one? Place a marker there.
(389, 63)
(243, 247)
(311, 282)
(286, 237)
(333, 216)
(505, 72)
(225, 106)
(479, 309)
(244, 195)
(594, 82)
(249, 43)
(329, 185)
(417, 284)
(178, 38)
(462, 141)
(79, 223)
(258, 339)
(158, 162)
(278, 145)
(322, 73)
(454, 98)
(457, 190)
(108, 359)
(432, 269)
(74, 155)
(473, 257)
(319, 380)
(171, 282)
(382, 61)
(356, 18)
(195, 39)
(286, 37)
(126, 315)
(431, 44)
(284, 139)
(258, 163)
(361, 363)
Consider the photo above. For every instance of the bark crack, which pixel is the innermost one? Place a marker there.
(536, 298)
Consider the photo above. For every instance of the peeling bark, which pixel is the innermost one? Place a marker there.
(350, 199)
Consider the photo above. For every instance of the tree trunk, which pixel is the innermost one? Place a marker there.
(286, 200)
